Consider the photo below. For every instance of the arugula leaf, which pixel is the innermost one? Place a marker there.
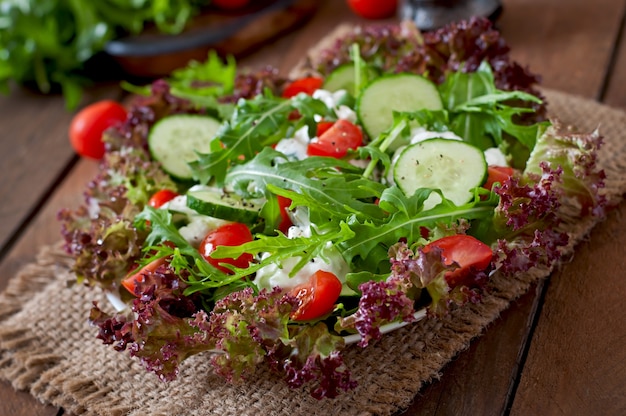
(480, 113)
(405, 221)
(255, 124)
(330, 188)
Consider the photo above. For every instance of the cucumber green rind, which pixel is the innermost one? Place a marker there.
(395, 92)
(175, 140)
(342, 78)
(453, 166)
(227, 207)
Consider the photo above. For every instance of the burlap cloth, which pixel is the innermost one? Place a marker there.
(48, 348)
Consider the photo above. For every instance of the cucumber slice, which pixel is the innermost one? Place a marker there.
(217, 204)
(453, 166)
(397, 92)
(342, 78)
(174, 141)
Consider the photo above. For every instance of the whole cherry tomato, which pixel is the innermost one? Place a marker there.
(337, 140)
(468, 252)
(88, 125)
(230, 4)
(161, 197)
(374, 9)
(232, 234)
(306, 85)
(317, 296)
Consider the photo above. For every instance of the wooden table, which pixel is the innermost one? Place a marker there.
(557, 350)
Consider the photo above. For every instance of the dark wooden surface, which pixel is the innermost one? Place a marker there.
(558, 350)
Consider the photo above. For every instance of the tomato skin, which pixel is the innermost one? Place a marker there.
(467, 251)
(88, 124)
(323, 126)
(317, 296)
(285, 221)
(230, 4)
(136, 278)
(159, 198)
(374, 9)
(497, 174)
(337, 140)
(306, 85)
(233, 234)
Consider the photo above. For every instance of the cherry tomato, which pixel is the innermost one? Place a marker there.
(285, 222)
(467, 251)
(374, 9)
(230, 4)
(497, 174)
(136, 278)
(232, 234)
(337, 140)
(88, 125)
(306, 85)
(323, 126)
(317, 296)
(161, 197)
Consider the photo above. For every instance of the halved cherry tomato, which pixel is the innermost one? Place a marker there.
(374, 9)
(161, 197)
(232, 234)
(306, 85)
(230, 4)
(323, 126)
(467, 251)
(136, 278)
(89, 123)
(337, 140)
(317, 296)
(497, 174)
(285, 222)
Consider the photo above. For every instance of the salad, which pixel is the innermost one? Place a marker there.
(261, 220)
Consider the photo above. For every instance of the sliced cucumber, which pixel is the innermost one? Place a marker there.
(217, 204)
(453, 166)
(397, 92)
(342, 78)
(174, 141)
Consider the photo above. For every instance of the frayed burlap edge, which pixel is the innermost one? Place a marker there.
(390, 372)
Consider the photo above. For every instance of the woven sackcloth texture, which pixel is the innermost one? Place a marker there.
(48, 348)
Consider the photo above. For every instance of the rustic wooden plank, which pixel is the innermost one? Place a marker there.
(615, 94)
(42, 231)
(478, 381)
(481, 378)
(580, 313)
(34, 151)
(568, 42)
(20, 403)
(577, 358)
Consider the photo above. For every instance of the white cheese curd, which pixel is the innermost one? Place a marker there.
(344, 112)
(419, 134)
(278, 274)
(198, 226)
(495, 157)
(332, 99)
(295, 147)
(329, 98)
